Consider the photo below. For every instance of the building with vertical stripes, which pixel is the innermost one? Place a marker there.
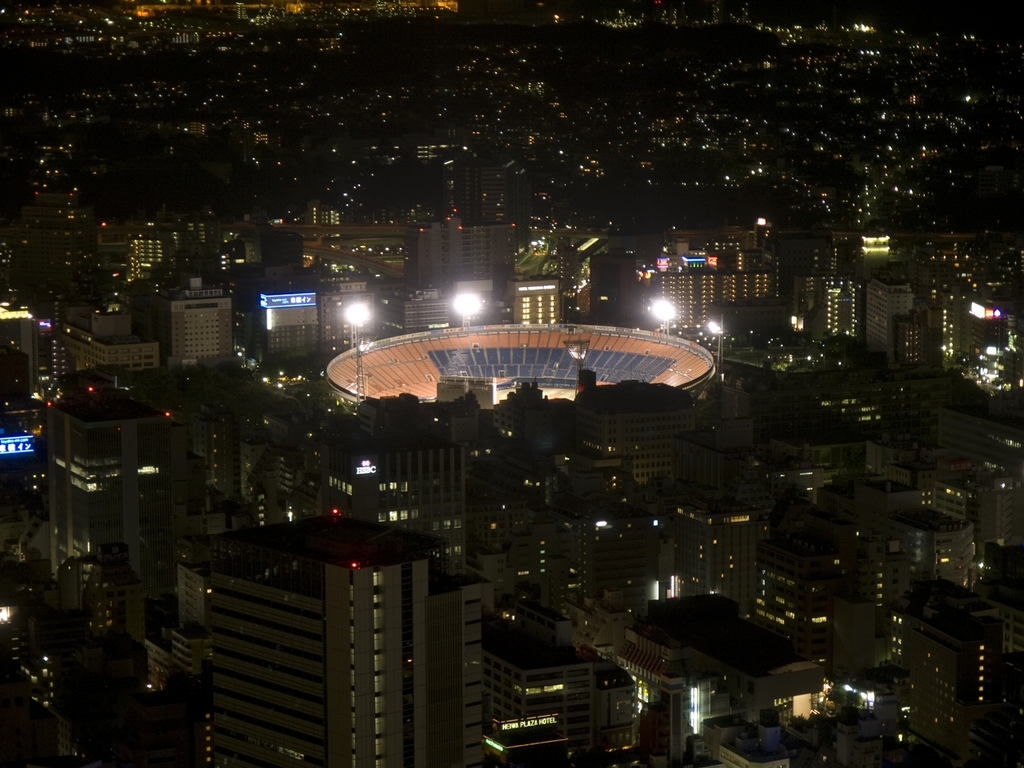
(337, 642)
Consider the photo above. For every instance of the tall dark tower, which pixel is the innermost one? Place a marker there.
(56, 237)
(116, 468)
(482, 191)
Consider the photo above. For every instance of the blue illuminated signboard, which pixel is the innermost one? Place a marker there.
(16, 444)
(282, 300)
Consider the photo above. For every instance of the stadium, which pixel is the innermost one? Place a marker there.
(509, 354)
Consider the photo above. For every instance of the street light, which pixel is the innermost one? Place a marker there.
(467, 305)
(356, 315)
(664, 311)
(717, 328)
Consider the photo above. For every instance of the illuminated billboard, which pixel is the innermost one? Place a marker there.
(18, 444)
(366, 467)
(985, 313)
(284, 300)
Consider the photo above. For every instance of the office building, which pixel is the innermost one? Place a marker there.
(632, 420)
(938, 546)
(56, 237)
(27, 729)
(693, 660)
(15, 374)
(801, 574)
(113, 593)
(413, 480)
(335, 642)
(535, 302)
(290, 323)
(115, 469)
(982, 499)
(618, 548)
(864, 402)
(193, 325)
(402, 311)
(526, 678)
(918, 338)
(951, 643)
(993, 436)
(716, 549)
(93, 338)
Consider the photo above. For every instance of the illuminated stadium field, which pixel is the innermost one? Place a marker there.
(519, 353)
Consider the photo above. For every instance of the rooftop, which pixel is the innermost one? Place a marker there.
(340, 541)
(930, 520)
(711, 625)
(634, 397)
(96, 408)
(519, 649)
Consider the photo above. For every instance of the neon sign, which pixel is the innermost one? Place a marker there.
(366, 467)
(283, 300)
(20, 444)
(529, 722)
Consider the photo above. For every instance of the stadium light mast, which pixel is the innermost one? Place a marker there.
(356, 315)
(578, 349)
(719, 329)
(467, 305)
(663, 310)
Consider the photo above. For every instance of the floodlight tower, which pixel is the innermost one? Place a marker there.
(578, 349)
(467, 305)
(719, 329)
(664, 312)
(356, 315)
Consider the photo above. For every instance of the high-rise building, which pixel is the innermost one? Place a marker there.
(443, 253)
(94, 337)
(885, 301)
(951, 642)
(215, 437)
(483, 191)
(290, 324)
(57, 237)
(193, 324)
(615, 289)
(798, 254)
(801, 573)
(619, 548)
(525, 678)
(115, 469)
(859, 402)
(698, 291)
(415, 481)
(632, 422)
(716, 549)
(337, 643)
(535, 302)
